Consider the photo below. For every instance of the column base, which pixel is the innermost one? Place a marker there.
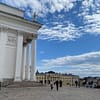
(17, 79)
(31, 79)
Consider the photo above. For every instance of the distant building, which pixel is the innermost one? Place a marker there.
(90, 82)
(46, 78)
(98, 83)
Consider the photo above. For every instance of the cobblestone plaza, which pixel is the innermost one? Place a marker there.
(44, 93)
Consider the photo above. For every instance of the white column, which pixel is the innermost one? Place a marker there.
(27, 69)
(19, 57)
(3, 40)
(33, 77)
(23, 64)
(29, 63)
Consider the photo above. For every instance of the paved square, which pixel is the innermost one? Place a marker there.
(44, 93)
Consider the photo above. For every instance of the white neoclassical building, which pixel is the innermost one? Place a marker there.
(17, 45)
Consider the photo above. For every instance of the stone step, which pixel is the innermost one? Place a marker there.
(7, 82)
(24, 84)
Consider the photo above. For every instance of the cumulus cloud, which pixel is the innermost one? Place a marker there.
(91, 16)
(43, 6)
(80, 64)
(59, 32)
(92, 24)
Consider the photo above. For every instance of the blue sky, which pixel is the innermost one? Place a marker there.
(69, 40)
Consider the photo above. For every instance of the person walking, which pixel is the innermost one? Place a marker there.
(51, 85)
(76, 83)
(79, 83)
(60, 83)
(56, 83)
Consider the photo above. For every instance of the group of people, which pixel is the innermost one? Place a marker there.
(56, 83)
(59, 84)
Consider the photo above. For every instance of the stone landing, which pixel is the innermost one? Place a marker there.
(12, 84)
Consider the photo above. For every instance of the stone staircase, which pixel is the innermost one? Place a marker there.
(7, 82)
(23, 84)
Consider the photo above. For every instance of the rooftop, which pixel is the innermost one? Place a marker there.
(11, 10)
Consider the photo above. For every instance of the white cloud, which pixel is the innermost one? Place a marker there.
(92, 24)
(43, 6)
(91, 16)
(89, 59)
(88, 63)
(93, 4)
(59, 32)
(90, 11)
(58, 5)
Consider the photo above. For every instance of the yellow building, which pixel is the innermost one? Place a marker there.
(46, 78)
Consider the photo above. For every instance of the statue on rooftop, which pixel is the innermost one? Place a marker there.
(35, 16)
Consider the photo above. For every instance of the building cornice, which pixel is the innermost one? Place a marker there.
(18, 23)
(11, 10)
(13, 18)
